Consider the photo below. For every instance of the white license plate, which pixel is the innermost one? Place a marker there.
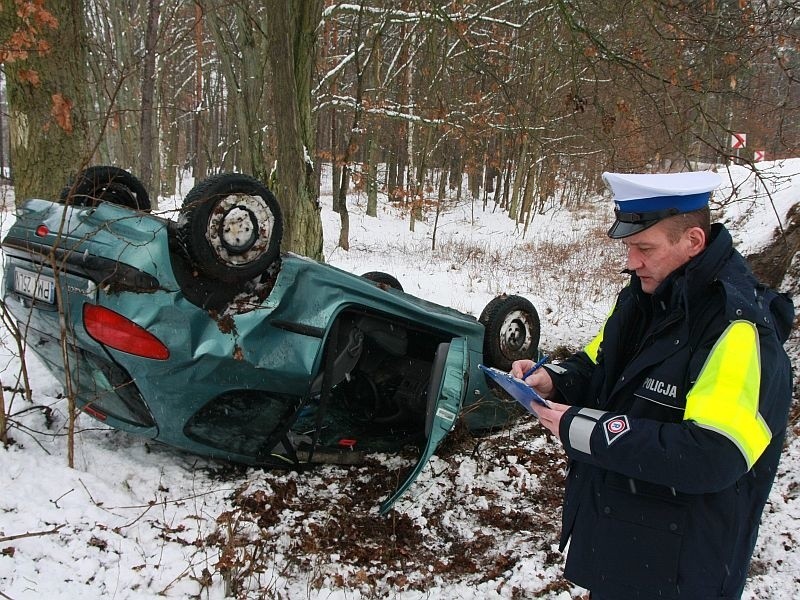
(37, 286)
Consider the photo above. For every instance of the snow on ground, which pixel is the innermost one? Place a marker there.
(136, 520)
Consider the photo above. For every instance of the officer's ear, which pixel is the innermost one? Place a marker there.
(696, 238)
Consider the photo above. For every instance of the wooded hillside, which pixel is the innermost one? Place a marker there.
(527, 97)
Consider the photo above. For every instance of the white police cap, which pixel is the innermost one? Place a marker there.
(642, 200)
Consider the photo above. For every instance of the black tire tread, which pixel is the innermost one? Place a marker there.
(191, 231)
(104, 183)
(381, 278)
(492, 318)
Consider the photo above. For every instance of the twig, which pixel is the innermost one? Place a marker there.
(60, 497)
(28, 534)
(173, 501)
(120, 527)
(85, 489)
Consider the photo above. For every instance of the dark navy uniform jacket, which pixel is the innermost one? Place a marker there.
(679, 413)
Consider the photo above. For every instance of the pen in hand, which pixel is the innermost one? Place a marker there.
(538, 364)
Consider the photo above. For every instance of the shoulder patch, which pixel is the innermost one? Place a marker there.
(616, 428)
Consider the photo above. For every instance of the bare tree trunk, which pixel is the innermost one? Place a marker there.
(200, 166)
(439, 205)
(344, 213)
(292, 26)
(49, 132)
(394, 171)
(126, 100)
(168, 133)
(507, 183)
(519, 177)
(2, 142)
(372, 176)
(459, 179)
(344, 231)
(147, 132)
(527, 198)
(242, 49)
(474, 180)
(373, 148)
(335, 170)
(422, 168)
(332, 32)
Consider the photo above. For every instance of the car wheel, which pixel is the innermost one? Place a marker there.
(231, 227)
(106, 184)
(383, 279)
(512, 331)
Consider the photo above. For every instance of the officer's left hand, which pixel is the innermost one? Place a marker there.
(550, 417)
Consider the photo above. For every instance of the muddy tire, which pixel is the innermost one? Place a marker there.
(106, 184)
(512, 331)
(231, 227)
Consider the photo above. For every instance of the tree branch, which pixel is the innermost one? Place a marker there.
(8, 538)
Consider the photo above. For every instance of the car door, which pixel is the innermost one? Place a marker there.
(445, 396)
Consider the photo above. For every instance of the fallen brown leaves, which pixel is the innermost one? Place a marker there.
(325, 523)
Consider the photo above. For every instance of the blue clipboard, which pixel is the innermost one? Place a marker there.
(516, 388)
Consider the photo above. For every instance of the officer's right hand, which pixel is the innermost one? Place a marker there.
(539, 380)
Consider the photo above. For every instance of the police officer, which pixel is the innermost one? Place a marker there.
(673, 417)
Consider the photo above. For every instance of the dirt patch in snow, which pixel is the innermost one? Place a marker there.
(326, 522)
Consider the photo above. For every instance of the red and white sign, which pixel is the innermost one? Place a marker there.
(738, 140)
(759, 155)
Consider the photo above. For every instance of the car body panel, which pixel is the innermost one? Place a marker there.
(442, 414)
(264, 352)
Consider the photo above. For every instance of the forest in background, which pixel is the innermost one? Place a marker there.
(529, 98)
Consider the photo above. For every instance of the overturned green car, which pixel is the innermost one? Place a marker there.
(200, 333)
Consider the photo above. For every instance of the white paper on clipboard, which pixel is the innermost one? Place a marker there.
(516, 388)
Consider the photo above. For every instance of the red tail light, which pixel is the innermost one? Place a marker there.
(118, 332)
(91, 411)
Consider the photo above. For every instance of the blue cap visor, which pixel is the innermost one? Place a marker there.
(654, 204)
(622, 229)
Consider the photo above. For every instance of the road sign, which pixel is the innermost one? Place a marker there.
(759, 155)
(738, 140)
